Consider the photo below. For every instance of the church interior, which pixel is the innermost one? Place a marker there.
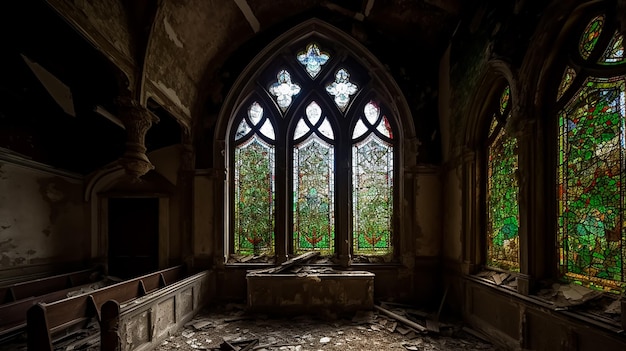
(463, 157)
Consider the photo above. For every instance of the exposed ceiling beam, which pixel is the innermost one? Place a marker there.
(368, 7)
(108, 115)
(60, 92)
(247, 12)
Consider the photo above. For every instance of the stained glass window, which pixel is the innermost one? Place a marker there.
(591, 155)
(502, 191)
(614, 53)
(504, 99)
(307, 172)
(372, 184)
(313, 59)
(566, 81)
(313, 183)
(590, 36)
(284, 89)
(590, 182)
(254, 184)
(342, 88)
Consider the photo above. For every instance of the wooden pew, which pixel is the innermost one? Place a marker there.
(17, 298)
(137, 297)
(42, 286)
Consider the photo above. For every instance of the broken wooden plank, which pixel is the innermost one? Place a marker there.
(296, 260)
(401, 319)
(241, 345)
(289, 263)
(432, 326)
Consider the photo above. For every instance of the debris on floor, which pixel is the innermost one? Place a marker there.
(230, 327)
(565, 295)
(572, 296)
(236, 258)
(499, 278)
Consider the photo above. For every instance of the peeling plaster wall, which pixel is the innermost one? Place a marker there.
(203, 246)
(105, 24)
(452, 245)
(109, 18)
(459, 73)
(166, 162)
(451, 189)
(187, 38)
(42, 219)
(428, 213)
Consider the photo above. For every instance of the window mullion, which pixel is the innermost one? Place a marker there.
(343, 187)
(281, 204)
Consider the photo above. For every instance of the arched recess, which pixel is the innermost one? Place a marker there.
(578, 76)
(486, 101)
(113, 182)
(379, 86)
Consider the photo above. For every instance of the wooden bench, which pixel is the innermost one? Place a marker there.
(17, 298)
(148, 307)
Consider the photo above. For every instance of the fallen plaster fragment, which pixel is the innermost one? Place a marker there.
(171, 34)
(614, 308)
(171, 94)
(570, 293)
(201, 324)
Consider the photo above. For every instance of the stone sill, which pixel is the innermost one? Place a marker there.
(332, 265)
(604, 324)
(290, 293)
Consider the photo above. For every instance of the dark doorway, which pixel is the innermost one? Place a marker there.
(133, 236)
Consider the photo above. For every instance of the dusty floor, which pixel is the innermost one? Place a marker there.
(363, 331)
(216, 326)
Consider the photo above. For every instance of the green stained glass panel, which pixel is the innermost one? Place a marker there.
(372, 162)
(314, 199)
(504, 99)
(566, 81)
(493, 125)
(502, 204)
(254, 197)
(614, 53)
(590, 184)
(590, 36)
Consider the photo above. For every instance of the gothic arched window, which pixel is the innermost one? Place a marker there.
(591, 155)
(312, 155)
(502, 188)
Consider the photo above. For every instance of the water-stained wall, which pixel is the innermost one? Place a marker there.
(42, 219)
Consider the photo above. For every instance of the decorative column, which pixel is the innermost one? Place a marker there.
(472, 252)
(528, 179)
(137, 120)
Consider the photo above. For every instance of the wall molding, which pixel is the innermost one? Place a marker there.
(17, 159)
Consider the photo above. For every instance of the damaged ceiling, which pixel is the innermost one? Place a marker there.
(179, 59)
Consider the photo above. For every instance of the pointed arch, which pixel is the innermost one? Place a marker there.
(493, 229)
(584, 102)
(313, 82)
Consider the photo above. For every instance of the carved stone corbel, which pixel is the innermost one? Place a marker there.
(137, 120)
